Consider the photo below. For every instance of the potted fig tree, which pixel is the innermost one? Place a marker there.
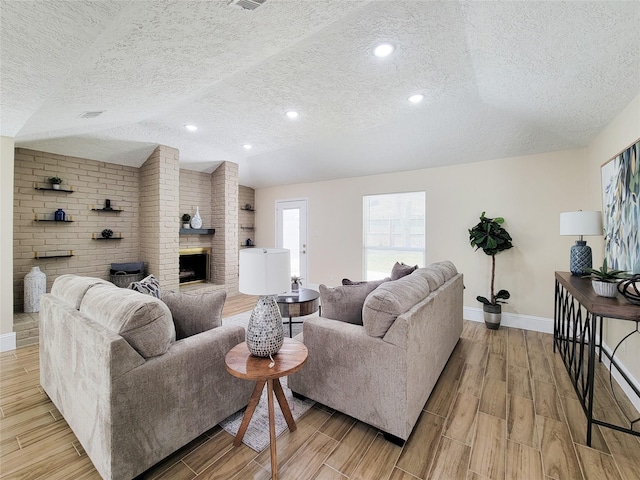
(492, 238)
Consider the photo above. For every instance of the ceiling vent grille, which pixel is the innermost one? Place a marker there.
(91, 114)
(247, 4)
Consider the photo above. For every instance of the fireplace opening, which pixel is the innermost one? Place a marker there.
(194, 265)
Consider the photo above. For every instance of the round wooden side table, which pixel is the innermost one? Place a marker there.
(240, 363)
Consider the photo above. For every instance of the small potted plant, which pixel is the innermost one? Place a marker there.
(489, 236)
(605, 281)
(186, 218)
(55, 182)
(296, 281)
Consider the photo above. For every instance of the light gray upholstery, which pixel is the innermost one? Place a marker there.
(385, 381)
(129, 412)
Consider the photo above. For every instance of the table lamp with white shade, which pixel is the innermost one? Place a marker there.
(265, 272)
(580, 223)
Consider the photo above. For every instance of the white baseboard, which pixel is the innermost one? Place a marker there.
(525, 322)
(7, 342)
(631, 395)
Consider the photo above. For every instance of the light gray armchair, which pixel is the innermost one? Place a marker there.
(130, 392)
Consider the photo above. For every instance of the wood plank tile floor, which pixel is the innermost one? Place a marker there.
(503, 409)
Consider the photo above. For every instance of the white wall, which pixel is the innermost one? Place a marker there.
(7, 337)
(530, 192)
(619, 134)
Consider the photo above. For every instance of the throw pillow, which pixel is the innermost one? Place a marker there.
(194, 313)
(344, 303)
(148, 285)
(400, 270)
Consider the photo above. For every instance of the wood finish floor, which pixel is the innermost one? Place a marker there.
(504, 408)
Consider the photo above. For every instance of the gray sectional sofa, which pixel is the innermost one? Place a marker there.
(382, 369)
(131, 392)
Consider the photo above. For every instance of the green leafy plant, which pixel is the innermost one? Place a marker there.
(186, 218)
(603, 274)
(54, 180)
(492, 238)
(296, 279)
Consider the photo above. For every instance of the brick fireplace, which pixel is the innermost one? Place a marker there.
(194, 265)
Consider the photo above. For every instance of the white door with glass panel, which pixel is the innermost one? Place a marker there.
(291, 233)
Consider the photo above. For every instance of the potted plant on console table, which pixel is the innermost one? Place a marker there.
(489, 235)
(605, 281)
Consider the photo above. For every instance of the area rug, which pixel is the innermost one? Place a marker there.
(257, 434)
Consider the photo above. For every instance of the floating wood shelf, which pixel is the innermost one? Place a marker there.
(49, 189)
(248, 228)
(197, 231)
(55, 221)
(115, 210)
(98, 236)
(54, 254)
(247, 209)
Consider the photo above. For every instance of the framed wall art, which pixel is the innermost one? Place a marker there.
(621, 209)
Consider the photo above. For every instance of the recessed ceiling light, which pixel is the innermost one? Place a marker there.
(417, 98)
(383, 50)
(191, 128)
(292, 114)
(246, 146)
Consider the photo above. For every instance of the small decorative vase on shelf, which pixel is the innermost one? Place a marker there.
(196, 221)
(35, 285)
(59, 215)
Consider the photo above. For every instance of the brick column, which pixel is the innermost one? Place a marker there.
(159, 212)
(224, 213)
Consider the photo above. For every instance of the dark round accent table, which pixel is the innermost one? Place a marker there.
(305, 303)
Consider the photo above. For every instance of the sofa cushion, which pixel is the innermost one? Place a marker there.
(447, 268)
(149, 285)
(143, 321)
(194, 313)
(344, 303)
(433, 275)
(400, 270)
(385, 303)
(72, 288)
(346, 281)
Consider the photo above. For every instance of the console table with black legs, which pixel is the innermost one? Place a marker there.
(579, 315)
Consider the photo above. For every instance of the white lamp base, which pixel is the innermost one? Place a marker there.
(265, 334)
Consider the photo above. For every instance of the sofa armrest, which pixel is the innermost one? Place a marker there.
(159, 405)
(354, 373)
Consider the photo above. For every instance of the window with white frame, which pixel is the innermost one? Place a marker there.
(394, 231)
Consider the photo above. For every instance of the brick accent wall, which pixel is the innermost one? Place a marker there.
(152, 198)
(224, 210)
(92, 182)
(159, 209)
(196, 191)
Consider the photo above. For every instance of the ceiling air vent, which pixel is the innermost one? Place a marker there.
(91, 114)
(247, 4)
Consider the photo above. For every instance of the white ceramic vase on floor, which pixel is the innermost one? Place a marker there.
(35, 285)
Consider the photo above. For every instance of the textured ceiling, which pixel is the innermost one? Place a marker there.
(500, 79)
